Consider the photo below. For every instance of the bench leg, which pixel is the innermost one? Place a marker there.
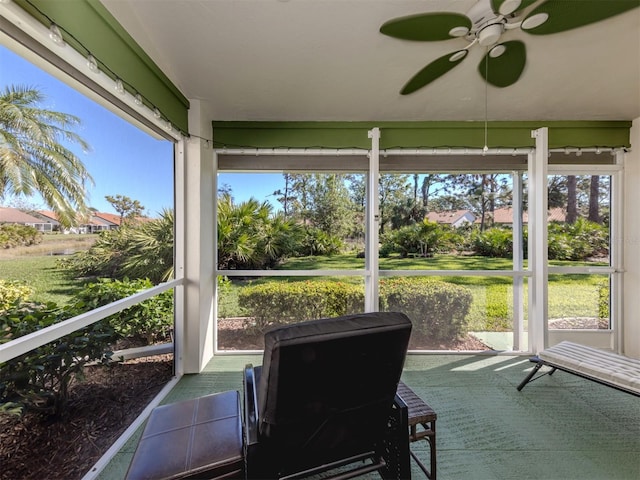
(430, 438)
(530, 376)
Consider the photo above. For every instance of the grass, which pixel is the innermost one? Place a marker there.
(49, 283)
(569, 295)
(491, 310)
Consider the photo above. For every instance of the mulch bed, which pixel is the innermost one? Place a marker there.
(100, 408)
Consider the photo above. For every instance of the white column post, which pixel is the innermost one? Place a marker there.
(371, 291)
(538, 254)
(518, 281)
(179, 253)
(197, 346)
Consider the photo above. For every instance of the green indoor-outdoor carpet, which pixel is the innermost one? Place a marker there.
(559, 427)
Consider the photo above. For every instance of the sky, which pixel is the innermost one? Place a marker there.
(123, 159)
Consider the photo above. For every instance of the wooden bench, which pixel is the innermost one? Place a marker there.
(601, 366)
(420, 415)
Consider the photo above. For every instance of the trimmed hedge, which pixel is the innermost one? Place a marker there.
(437, 309)
(278, 303)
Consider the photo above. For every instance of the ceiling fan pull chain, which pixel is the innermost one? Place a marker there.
(486, 102)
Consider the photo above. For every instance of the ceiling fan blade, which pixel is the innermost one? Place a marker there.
(435, 69)
(507, 7)
(504, 63)
(555, 16)
(428, 26)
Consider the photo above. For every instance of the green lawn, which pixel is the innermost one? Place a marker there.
(569, 295)
(41, 274)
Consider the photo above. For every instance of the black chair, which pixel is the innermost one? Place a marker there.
(325, 398)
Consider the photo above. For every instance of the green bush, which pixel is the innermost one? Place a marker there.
(603, 300)
(494, 242)
(12, 235)
(278, 303)
(420, 239)
(105, 257)
(438, 310)
(316, 242)
(149, 321)
(39, 380)
(577, 241)
(12, 292)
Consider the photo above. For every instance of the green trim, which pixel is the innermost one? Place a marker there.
(578, 134)
(89, 27)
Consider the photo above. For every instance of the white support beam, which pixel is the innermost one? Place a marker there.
(538, 254)
(371, 291)
(518, 264)
(197, 341)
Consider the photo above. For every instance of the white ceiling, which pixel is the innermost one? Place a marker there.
(326, 60)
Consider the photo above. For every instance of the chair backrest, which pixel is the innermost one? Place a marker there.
(327, 386)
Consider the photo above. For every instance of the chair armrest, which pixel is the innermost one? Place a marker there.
(251, 415)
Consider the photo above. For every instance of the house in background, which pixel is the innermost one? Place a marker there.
(100, 222)
(95, 223)
(50, 219)
(15, 216)
(504, 216)
(456, 219)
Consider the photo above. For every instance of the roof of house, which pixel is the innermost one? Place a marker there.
(13, 215)
(505, 215)
(109, 217)
(48, 214)
(448, 217)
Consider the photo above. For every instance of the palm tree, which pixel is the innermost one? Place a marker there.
(149, 250)
(33, 158)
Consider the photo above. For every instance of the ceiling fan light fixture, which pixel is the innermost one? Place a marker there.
(534, 21)
(496, 51)
(459, 55)
(458, 31)
(489, 35)
(509, 6)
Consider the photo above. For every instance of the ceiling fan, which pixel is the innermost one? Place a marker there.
(485, 23)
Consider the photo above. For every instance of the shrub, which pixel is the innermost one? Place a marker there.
(39, 380)
(12, 235)
(316, 242)
(104, 258)
(149, 321)
(577, 241)
(420, 239)
(603, 300)
(278, 303)
(12, 292)
(494, 242)
(437, 309)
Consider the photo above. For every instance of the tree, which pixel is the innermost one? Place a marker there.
(33, 158)
(428, 181)
(250, 237)
(125, 206)
(331, 208)
(594, 199)
(572, 203)
(393, 189)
